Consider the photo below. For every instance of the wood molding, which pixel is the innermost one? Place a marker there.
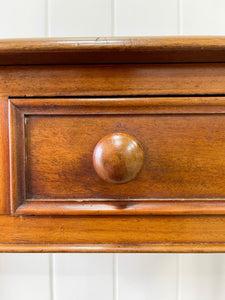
(112, 234)
(109, 106)
(126, 207)
(114, 248)
(112, 50)
(113, 80)
(4, 157)
(60, 97)
(17, 157)
(127, 105)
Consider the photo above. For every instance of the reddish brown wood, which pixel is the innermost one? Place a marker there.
(103, 234)
(117, 248)
(121, 106)
(66, 95)
(17, 157)
(112, 50)
(123, 207)
(182, 177)
(118, 158)
(4, 157)
(113, 80)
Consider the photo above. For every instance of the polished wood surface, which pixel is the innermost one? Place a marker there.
(4, 157)
(113, 80)
(113, 234)
(112, 50)
(118, 158)
(59, 98)
(182, 177)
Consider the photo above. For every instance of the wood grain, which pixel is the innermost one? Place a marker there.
(118, 158)
(153, 105)
(102, 234)
(124, 207)
(64, 96)
(112, 50)
(182, 177)
(184, 157)
(114, 248)
(4, 157)
(113, 80)
(17, 157)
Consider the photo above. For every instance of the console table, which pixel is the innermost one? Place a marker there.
(112, 145)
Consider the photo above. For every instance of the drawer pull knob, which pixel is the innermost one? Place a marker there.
(118, 158)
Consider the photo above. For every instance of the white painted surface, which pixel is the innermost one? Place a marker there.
(147, 276)
(83, 276)
(79, 18)
(144, 17)
(24, 277)
(22, 18)
(203, 17)
(111, 276)
(202, 276)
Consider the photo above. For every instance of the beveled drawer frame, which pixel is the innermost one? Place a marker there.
(21, 107)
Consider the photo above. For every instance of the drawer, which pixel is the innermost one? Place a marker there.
(117, 155)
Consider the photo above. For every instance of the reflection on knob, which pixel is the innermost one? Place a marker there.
(118, 158)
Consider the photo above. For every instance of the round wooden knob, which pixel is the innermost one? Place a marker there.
(118, 158)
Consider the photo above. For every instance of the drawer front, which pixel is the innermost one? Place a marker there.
(182, 169)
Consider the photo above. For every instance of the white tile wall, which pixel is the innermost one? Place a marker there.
(203, 17)
(22, 18)
(83, 276)
(25, 276)
(202, 276)
(111, 276)
(79, 18)
(144, 17)
(146, 276)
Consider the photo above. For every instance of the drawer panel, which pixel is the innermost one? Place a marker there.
(184, 156)
(183, 140)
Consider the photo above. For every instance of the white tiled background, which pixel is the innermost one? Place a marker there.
(111, 276)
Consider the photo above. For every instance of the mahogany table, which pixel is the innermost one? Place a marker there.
(112, 145)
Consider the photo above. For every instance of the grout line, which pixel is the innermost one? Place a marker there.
(52, 275)
(180, 17)
(178, 277)
(113, 17)
(115, 276)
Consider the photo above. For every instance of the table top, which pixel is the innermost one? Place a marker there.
(173, 49)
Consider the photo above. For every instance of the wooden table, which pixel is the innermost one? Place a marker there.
(112, 145)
